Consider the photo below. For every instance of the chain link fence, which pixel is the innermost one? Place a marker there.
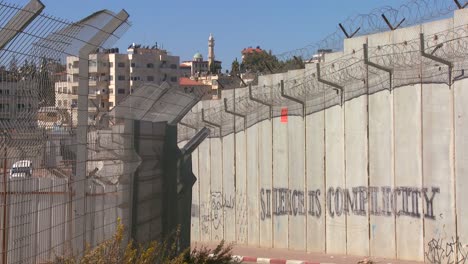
(54, 199)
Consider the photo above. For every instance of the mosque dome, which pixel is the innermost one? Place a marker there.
(198, 56)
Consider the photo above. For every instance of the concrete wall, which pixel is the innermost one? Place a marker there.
(382, 174)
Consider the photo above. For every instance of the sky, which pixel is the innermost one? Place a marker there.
(183, 26)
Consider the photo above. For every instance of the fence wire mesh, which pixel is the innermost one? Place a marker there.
(39, 123)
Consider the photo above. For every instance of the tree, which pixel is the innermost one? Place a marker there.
(45, 84)
(260, 61)
(28, 70)
(293, 63)
(235, 67)
(214, 68)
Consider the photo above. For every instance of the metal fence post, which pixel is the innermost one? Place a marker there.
(79, 182)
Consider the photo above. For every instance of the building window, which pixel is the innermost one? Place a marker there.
(60, 90)
(111, 64)
(132, 65)
(20, 107)
(75, 89)
(111, 104)
(173, 66)
(150, 78)
(121, 91)
(135, 78)
(111, 91)
(121, 65)
(74, 103)
(92, 63)
(65, 103)
(173, 79)
(150, 65)
(111, 77)
(59, 103)
(121, 78)
(102, 105)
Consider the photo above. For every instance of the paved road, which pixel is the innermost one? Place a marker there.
(284, 254)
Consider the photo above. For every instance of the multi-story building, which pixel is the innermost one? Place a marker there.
(18, 100)
(113, 76)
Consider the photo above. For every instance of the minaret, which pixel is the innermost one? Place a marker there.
(211, 55)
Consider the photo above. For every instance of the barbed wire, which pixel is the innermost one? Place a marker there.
(348, 71)
(411, 13)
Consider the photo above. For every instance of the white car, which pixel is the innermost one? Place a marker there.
(21, 169)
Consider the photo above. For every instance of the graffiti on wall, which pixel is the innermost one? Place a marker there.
(211, 214)
(441, 251)
(361, 200)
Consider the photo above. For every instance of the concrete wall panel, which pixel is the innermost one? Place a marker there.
(438, 174)
(335, 180)
(357, 225)
(216, 203)
(253, 216)
(265, 172)
(280, 190)
(205, 189)
(241, 188)
(381, 172)
(461, 158)
(408, 171)
(229, 191)
(195, 222)
(297, 187)
(461, 143)
(315, 153)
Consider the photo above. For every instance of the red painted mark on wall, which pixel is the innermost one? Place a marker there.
(284, 115)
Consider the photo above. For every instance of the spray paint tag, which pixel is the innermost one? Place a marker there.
(284, 115)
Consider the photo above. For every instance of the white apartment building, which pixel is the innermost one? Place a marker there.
(113, 76)
(18, 104)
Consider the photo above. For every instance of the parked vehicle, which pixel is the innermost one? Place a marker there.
(21, 169)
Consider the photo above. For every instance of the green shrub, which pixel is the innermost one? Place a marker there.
(113, 251)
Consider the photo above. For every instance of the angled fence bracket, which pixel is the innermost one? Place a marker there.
(195, 141)
(234, 113)
(20, 21)
(299, 62)
(187, 125)
(338, 88)
(268, 67)
(390, 25)
(460, 76)
(242, 80)
(270, 106)
(435, 58)
(460, 6)
(380, 67)
(209, 122)
(346, 33)
(292, 98)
